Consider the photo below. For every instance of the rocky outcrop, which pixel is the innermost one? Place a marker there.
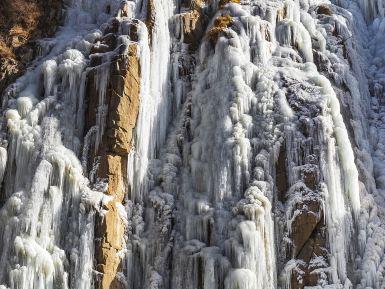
(193, 23)
(122, 106)
(21, 23)
(224, 2)
(299, 189)
(305, 223)
(110, 229)
(124, 101)
(123, 110)
(220, 25)
(311, 260)
(324, 9)
(308, 247)
(196, 17)
(150, 18)
(9, 69)
(281, 174)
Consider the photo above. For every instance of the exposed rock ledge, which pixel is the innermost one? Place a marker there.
(122, 102)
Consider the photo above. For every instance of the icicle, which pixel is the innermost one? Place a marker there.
(155, 105)
(3, 162)
(241, 278)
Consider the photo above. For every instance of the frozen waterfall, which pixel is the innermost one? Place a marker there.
(256, 159)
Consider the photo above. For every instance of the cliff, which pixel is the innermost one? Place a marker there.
(195, 144)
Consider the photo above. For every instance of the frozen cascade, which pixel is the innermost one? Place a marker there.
(219, 168)
(47, 216)
(257, 158)
(155, 94)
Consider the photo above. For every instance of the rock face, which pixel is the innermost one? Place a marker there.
(150, 18)
(194, 22)
(121, 104)
(220, 25)
(124, 101)
(195, 18)
(222, 3)
(22, 22)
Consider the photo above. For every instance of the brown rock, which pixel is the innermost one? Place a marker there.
(197, 4)
(308, 235)
(95, 60)
(308, 275)
(224, 2)
(124, 10)
(92, 95)
(9, 70)
(281, 14)
(113, 26)
(220, 25)
(325, 10)
(315, 245)
(110, 40)
(281, 174)
(133, 30)
(194, 24)
(122, 99)
(25, 53)
(310, 179)
(111, 228)
(113, 168)
(150, 18)
(303, 277)
(305, 223)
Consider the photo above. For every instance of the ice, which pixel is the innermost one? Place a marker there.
(158, 88)
(372, 8)
(3, 162)
(101, 80)
(344, 147)
(284, 110)
(293, 34)
(241, 278)
(24, 105)
(49, 69)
